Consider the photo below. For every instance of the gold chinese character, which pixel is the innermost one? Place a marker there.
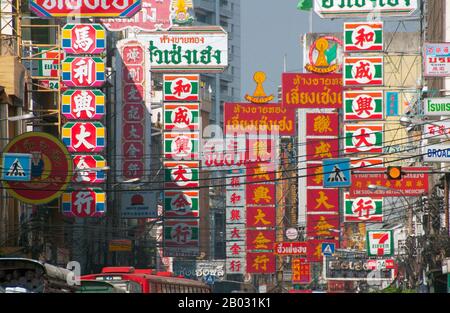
(318, 178)
(323, 150)
(260, 260)
(323, 200)
(261, 193)
(322, 124)
(261, 172)
(259, 217)
(261, 241)
(323, 227)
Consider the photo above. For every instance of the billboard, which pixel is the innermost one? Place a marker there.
(363, 209)
(181, 237)
(436, 59)
(363, 71)
(83, 104)
(355, 8)
(181, 87)
(322, 124)
(363, 138)
(363, 37)
(312, 91)
(363, 105)
(84, 8)
(83, 39)
(84, 136)
(83, 72)
(188, 49)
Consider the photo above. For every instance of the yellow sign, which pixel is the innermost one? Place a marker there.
(259, 96)
(324, 55)
(120, 245)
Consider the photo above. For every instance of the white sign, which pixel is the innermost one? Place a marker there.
(236, 265)
(436, 59)
(436, 130)
(436, 106)
(139, 204)
(235, 215)
(235, 232)
(235, 249)
(436, 153)
(213, 268)
(291, 233)
(361, 8)
(192, 49)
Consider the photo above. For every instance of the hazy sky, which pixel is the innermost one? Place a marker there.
(272, 28)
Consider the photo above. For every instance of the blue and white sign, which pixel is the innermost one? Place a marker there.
(436, 153)
(336, 173)
(391, 103)
(209, 279)
(328, 248)
(139, 204)
(16, 166)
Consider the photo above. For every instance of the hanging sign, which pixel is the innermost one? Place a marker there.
(179, 174)
(181, 116)
(83, 104)
(83, 38)
(363, 37)
(83, 164)
(181, 146)
(89, 202)
(85, 8)
(436, 59)
(181, 237)
(363, 71)
(363, 138)
(181, 203)
(84, 136)
(360, 105)
(363, 209)
(380, 242)
(83, 72)
(181, 87)
(188, 49)
(361, 8)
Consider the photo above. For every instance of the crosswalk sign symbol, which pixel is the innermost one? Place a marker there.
(328, 248)
(336, 173)
(16, 167)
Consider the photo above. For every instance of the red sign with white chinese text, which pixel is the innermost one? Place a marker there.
(260, 239)
(260, 194)
(82, 165)
(133, 112)
(133, 74)
(316, 91)
(261, 216)
(132, 169)
(133, 53)
(133, 150)
(133, 93)
(318, 149)
(322, 200)
(133, 131)
(322, 124)
(414, 182)
(260, 262)
(268, 117)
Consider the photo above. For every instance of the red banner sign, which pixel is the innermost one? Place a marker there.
(322, 200)
(312, 90)
(322, 124)
(260, 172)
(291, 248)
(314, 174)
(261, 217)
(413, 183)
(259, 117)
(260, 239)
(318, 149)
(301, 271)
(260, 194)
(260, 262)
(322, 226)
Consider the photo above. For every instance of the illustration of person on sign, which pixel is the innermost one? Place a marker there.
(37, 164)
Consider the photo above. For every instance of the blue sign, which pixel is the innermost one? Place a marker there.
(328, 248)
(391, 103)
(16, 166)
(336, 173)
(209, 279)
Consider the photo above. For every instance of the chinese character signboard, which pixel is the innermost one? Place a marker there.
(188, 49)
(89, 202)
(154, 15)
(268, 117)
(51, 168)
(181, 87)
(362, 37)
(436, 59)
(84, 8)
(318, 149)
(181, 174)
(260, 172)
(83, 164)
(181, 116)
(181, 146)
(322, 124)
(392, 102)
(380, 242)
(361, 8)
(83, 136)
(260, 239)
(83, 104)
(261, 216)
(312, 90)
(181, 203)
(235, 232)
(363, 71)
(83, 38)
(260, 194)
(323, 200)
(235, 215)
(83, 72)
(181, 237)
(235, 265)
(360, 105)
(363, 209)
(260, 262)
(322, 225)
(301, 271)
(235, 249)
(363, 138)
(413, 183)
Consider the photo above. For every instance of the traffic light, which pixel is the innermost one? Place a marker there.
(394, 172)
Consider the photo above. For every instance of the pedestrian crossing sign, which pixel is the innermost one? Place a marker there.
(336, 173)
(16, 166)
(328, 248)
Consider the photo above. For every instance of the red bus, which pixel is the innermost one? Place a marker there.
(147, 281)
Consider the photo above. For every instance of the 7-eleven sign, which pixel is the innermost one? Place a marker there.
(363, 209)
(363, 71)
(362, 37)
(363, 138)
(380, 243)
(360, 105)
